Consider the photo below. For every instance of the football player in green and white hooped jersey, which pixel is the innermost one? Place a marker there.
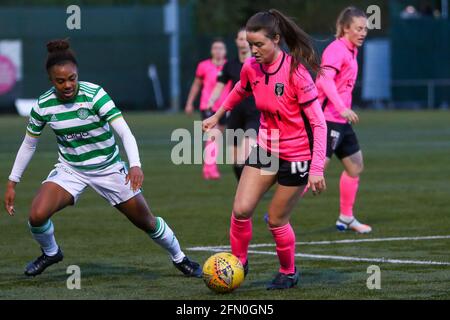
(81, 114)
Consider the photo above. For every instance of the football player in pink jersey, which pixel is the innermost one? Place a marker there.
(335, 86)
(291, 139)
(244, 116)
(205, 79)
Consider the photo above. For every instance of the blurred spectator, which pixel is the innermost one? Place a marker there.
(409, 12)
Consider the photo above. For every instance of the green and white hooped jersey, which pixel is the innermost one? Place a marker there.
(85, 139)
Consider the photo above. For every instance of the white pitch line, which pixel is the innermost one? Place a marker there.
(262, 245)
(329, 257)
(344, 258)
(339, 258)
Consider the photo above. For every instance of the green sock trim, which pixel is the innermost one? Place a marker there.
(160, 228)
(42, 229)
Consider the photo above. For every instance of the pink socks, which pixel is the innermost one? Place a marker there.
(285, 241)
(348, 188)
(240, 236)
(210, 169)
(210, 152)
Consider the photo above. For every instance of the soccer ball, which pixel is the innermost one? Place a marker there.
(223, 272)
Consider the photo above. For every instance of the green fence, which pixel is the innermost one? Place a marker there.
(114, 47)
(420, 57)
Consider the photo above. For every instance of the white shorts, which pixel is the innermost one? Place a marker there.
(108, 182)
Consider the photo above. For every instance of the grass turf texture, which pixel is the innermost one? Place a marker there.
(403, 192)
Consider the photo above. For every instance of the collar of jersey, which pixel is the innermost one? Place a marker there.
(282, 57)
(216, 65)
(350, 46)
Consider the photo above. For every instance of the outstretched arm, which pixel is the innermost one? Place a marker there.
(135, 175)
(234, 97)
(240, 91)
(24, 155)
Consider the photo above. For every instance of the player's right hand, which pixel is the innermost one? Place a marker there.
(189, 109)
(136, 177)
(209, 123)
(350, 116)
(10, 195)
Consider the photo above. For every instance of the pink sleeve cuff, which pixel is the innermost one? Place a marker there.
(316, 118)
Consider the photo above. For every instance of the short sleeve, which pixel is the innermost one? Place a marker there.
(305, 87)
(200, 71)
(104, 106)
(333, 58)
(36, 122)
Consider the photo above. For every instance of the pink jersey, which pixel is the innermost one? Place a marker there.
(339, 63)
(288, 106)
(208, 72)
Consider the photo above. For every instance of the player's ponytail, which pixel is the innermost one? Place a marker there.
(59, 52)
(274, 23)
(345, 19)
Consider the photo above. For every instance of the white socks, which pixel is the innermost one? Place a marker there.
(44, 235)
(165, 237)
(162, 235)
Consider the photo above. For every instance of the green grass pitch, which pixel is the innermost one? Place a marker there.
(404, 192)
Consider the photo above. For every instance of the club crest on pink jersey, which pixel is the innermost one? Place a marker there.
(279, 89)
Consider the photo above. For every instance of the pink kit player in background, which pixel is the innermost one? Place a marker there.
(335, 85)
(206, 78)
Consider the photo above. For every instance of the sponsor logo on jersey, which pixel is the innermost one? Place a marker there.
(76, 136)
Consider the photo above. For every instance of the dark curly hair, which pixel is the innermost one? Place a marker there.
(59, 52)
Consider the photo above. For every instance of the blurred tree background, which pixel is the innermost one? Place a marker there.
(131, 28)
(223, 17)
(316, 17)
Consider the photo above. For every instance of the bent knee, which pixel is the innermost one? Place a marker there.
(242, 210)
(276, 222)
(355, 170)
(39, 216)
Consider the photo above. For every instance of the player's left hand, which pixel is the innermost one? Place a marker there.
(136, 177)
(350, 116)
(316, 184)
